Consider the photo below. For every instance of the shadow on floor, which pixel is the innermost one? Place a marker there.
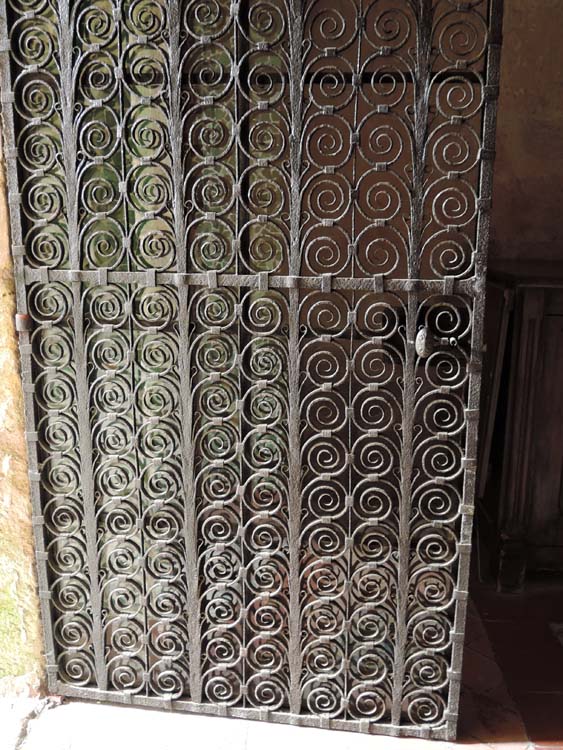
(488, 715)
(526, 636)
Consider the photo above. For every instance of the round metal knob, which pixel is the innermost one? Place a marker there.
(424, 342)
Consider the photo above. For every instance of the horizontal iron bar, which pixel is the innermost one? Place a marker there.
(363, 79)
(470, 286)
(257, 714)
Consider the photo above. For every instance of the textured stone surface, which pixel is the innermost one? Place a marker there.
(20, 632)
(16, 715)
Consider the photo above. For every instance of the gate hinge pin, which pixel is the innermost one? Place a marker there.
(24, 322)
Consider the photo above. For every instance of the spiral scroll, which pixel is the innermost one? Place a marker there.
(230, 220)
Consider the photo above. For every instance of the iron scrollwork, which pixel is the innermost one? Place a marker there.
(252, 488)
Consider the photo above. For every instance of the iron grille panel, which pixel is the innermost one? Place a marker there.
(252, 488)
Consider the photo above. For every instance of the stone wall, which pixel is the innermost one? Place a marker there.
(21, 662)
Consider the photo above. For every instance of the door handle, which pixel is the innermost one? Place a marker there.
(425, 342)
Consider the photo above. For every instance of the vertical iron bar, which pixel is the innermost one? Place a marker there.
(69, 154)
(295, 74)
(421, 100)
(186, 406)
(122, 39)
(474, 389)
(240, 220)
(8, 147)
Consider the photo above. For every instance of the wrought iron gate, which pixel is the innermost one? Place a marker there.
(249, 242)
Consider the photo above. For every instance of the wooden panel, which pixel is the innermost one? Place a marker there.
(546, 491)
(514, 505)
(497, 314)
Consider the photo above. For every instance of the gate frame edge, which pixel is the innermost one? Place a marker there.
(24, 346)
(492, 81)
